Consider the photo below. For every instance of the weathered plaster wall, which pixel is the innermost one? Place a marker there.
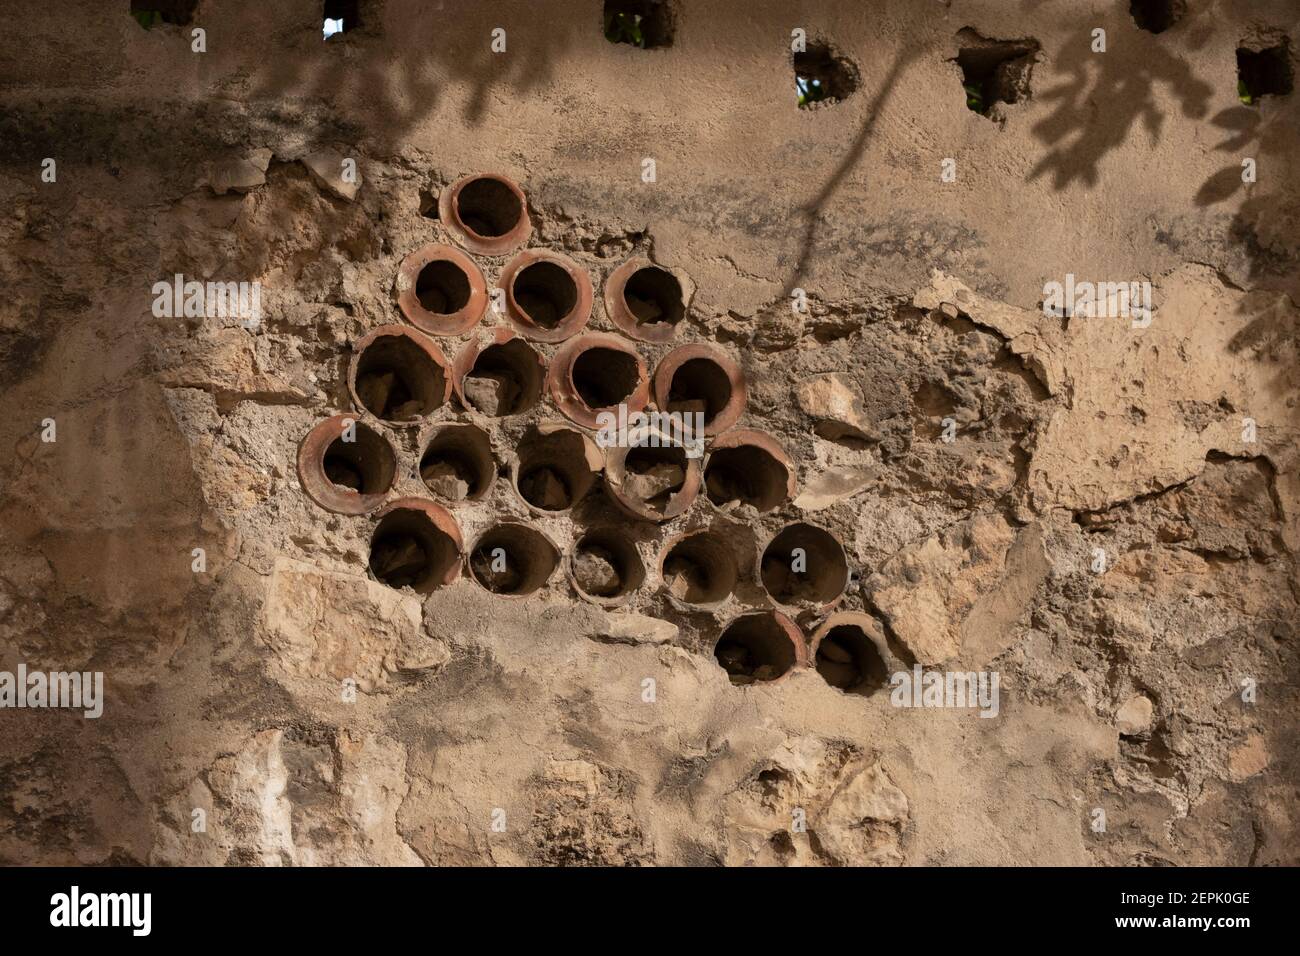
(224, 687)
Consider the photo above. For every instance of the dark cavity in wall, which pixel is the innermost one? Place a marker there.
(150, 12)
(820, 76)
(994, 71)
(341, 16)
(1266, 72)
(647, 24)
(1157, 16)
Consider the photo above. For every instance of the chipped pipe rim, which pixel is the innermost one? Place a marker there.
(527, 526)
(513, 238)
(442, 519)
(573, 322)
(618, 600)
(429, 432)
(311, 468)
(671, 363)
(813, 607)
(678, 504)
(757, 438)
(468, 356)
(563, 392)
(620, 313)
(787, 624)
(440, 323)
(420, 341)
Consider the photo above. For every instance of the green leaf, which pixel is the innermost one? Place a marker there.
(147, 18)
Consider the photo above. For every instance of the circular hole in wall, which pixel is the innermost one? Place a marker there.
(409, 549)
(848, 659)
(746, 474)
(506, 379)
(758, 647)
(556, 469)
(652, 476)
(457, 463)
(604, 377)
(699, 385)
(397, 380)
(513, 559)
(654, 297)
(488, 207)
(546, 293)
(442, 287)
(605, 566)
(804, 564)
(365, 465)
(700, 568)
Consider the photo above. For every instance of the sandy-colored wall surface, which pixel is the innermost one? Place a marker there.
(1104, 513)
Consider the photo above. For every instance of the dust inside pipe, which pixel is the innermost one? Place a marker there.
(803, 563)
(607, 565)
(754, 648)
(1156, 16)
(699, 385)
(513, 560)
(408, 550)
(654, 297)
(506, 379)
(488, 207)
(398, 381)
(340, 16)
(994, 71)
(457, 463)
(176, 12)
(365, 465)
(647, 24)
(546, 293)
(652, 475)
(700, 568)
(604, 377)
(553, 470)
(849, 660)
(820, 75)
(746, 474)
(1263, 73)
(442, 287)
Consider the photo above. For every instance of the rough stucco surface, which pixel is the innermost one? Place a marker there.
(1120, 690)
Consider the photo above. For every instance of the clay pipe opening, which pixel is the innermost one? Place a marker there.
(804, 565)
(440, 290)
(846, 651)
(513, 559)
(504, 378)
(416, 544)
(489, 212)
(398, 375)
(605, 567)
(645, 301)
(457, 463)
(556, 467)
(652, 482)
(548, 295)
(748, 467)
(759, 646)
(345, 466)
(701, 379)
(699, 567)
(596, 373)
